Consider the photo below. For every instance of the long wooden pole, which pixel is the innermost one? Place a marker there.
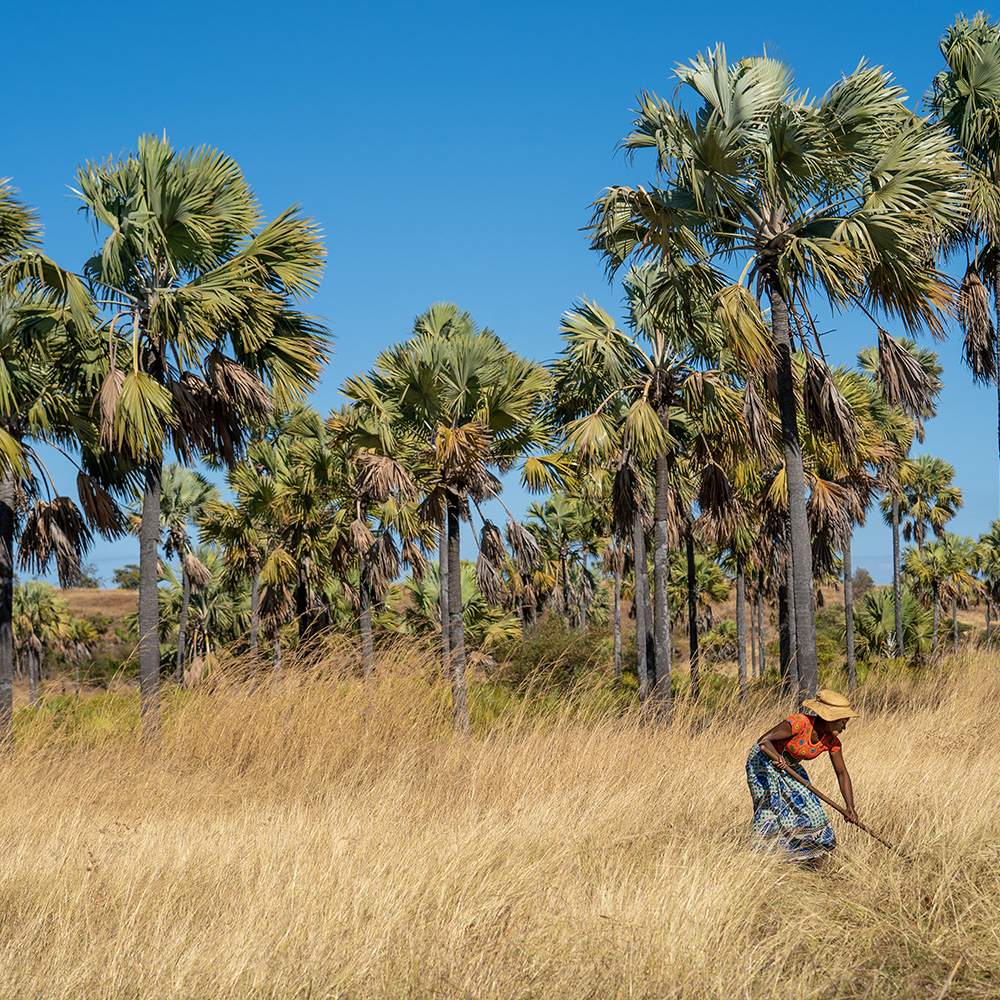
(842, 811)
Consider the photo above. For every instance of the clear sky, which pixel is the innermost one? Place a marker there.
(449, 151)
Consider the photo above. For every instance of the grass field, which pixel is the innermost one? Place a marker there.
(307, 837)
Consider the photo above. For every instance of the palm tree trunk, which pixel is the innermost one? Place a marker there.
(754, 639)
(365, 600)
(852, 680)
(760, 626)
(789, 666)
(639, 556)
(7, 503)
(182, 622)
(661, 569)
(954, 624)
(897, 589)
(149, 635)
(443, 599)
(618, 625)
(33, 678)
(254, 609)
(989, 637)
(741, 629)
(937, 615)
(692, 613)
(277, 650)
(460, 696)
(802, 596)
(564, 573)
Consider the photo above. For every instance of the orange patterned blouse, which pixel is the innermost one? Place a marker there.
(800, 745)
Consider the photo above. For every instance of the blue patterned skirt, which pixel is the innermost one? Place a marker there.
(787, 818)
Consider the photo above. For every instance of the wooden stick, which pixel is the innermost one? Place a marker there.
(843, 812)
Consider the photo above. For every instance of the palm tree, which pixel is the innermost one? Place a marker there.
(965, 97)
(940, 570)
(184, 497)
(909, 378)
(929, 500)
(557, 525)
(41, 622)
(218, 614)
(483, 626)
(239, 531)
(467, 405)
(620, 400)
(82, 640)
(213, 341)
(875, 626)
(835, 194)
(989, 571)
(377, 494)
(47, 351)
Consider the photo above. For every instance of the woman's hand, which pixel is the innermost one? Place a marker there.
(852, 816)
(780, 764)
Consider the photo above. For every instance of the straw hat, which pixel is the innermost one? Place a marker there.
(829, 705)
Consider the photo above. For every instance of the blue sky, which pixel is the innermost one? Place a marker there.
(449, 151)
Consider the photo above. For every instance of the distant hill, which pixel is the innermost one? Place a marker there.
(115, 604)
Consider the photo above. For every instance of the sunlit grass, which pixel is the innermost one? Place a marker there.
(304, 836)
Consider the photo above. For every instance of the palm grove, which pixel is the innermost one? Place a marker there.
(703, 443)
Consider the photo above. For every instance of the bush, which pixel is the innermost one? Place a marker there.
(862, 582)
(552, 653)
(720, 643)
(127, 577)
(875, 625)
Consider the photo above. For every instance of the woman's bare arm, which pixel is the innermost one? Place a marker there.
(782, 731)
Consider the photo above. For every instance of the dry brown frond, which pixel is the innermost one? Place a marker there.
(414, 558)
(901, 377)
(275, 605)
(829, 509)
(198, 573)
(974, 315)
(626, 496)
(759, 427)
(107, 402)
(826, 409)
(53, 530)
(238, 386)
(353, 597)
(194, 407)
(99, 507)
(380, 477)
(381, 563)
(491, 543)
(524, 546)
(613, 560)
(490, 583)
(715, 490)
(361, 536)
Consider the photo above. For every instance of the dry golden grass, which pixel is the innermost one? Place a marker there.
(113, 603)
(308, 838)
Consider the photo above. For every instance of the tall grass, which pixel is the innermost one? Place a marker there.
(310, 837)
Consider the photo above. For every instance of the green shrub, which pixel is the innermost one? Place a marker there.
(551, 653)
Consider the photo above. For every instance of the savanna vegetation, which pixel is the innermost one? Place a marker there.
(332, 752)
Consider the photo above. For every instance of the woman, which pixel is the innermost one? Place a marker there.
(787, 816)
